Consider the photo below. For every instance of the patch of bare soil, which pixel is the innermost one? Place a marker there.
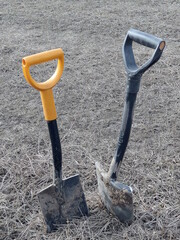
(89, 100)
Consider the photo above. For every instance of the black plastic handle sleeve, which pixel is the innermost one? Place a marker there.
(145, 39)
(56, 148)
(125, 131)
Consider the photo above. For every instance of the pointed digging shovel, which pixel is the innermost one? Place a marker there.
(64, 199)
(116, 196)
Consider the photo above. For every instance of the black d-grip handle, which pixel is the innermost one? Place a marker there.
(133, 71)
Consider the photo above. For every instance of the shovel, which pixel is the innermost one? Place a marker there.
(116, 196)
(64, 199)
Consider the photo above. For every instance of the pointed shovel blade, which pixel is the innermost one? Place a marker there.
(116, 196)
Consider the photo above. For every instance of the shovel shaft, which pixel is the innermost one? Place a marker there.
(124, 134)
(47, 98)
(56, 148)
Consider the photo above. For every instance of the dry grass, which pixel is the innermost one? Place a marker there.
(89, 100)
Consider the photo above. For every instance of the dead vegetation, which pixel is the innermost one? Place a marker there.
(89, 100)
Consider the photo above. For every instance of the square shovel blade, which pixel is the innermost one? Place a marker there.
(62, 203)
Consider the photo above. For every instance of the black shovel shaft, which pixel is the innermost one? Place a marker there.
(56, 148)
(125, 129)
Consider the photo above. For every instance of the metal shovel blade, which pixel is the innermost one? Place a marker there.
(116, 196)
(60, 204)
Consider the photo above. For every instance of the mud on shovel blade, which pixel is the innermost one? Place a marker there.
(64, 199)
(116, 196)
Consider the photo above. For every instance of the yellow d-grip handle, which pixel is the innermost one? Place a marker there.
(45, 88)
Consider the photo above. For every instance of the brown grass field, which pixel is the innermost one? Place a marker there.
(89, 100)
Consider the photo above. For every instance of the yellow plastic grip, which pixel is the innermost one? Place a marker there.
(45, 88)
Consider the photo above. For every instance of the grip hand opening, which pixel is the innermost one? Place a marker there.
(45, 88)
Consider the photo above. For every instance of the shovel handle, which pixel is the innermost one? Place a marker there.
(134, 72)
(146, 39)
(42, 57)
(45, 88)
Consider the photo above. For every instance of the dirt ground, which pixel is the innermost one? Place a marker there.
(89, 100)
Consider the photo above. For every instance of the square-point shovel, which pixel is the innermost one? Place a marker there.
(116, 196)
(64, 199)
